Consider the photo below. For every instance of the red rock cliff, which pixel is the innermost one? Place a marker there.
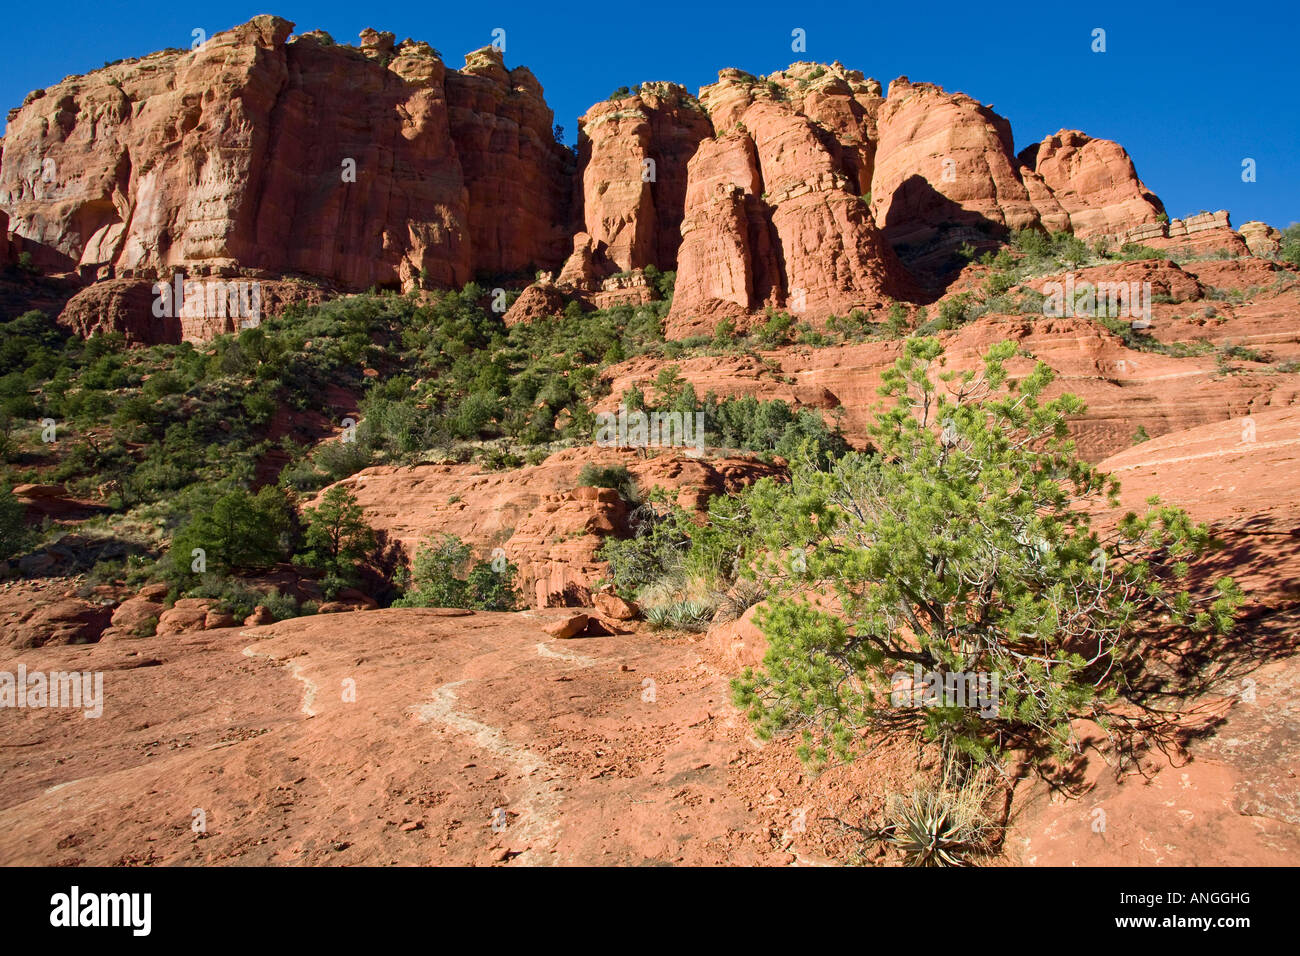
(774, 214)
(238, 156)
(267, 155)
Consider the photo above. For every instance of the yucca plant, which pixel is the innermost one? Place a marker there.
(693, 615)
(659, 616)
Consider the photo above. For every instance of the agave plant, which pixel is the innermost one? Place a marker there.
(683, 615)
(931, 830)
(659, 615)
(693, 615)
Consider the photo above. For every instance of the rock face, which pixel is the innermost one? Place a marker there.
(539, 300)
(774, 215)
(1261, 238)
(1092, 181)
(266, 156)
(944, 159)
(128, 306)
(544, 522)
(70, 620)
(633, 154)
(365, 167)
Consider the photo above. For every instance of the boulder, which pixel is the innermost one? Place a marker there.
(1261, 238)
(215, 619)
(261, 615)
(186, 615)
(570, 625)
(613, 607)
(66, 620)
(740, 642)
(539, 300)
(138, 616)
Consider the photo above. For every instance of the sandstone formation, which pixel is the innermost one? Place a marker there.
(216, 307)
(1124, 387)
(633, 153)
(67, 620)
(263, 155)
(376, 166)
(1091, 181)
(586, 744)
(774, 213)
(544, 522)
(539, 300)
(1260, 238)
(943, 159)
(1234, 800)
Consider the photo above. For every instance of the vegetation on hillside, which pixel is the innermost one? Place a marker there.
(957, 549)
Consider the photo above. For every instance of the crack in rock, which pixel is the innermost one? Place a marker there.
(539, 823)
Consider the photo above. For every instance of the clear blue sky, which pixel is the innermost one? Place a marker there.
(1190, 89)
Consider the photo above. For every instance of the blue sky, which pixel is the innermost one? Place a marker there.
(1190, 89)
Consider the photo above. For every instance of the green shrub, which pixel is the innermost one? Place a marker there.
(1134, 250)
(1032, 242)
(337, 537)
(239, 531)
(896, 320)
(14, 535)
(1289, 245)
(437, 581)
(966, 521)
(610, 476)
(692, 616)
(776, 330)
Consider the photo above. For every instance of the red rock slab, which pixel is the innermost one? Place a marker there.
(1233, 798)
(320, 740)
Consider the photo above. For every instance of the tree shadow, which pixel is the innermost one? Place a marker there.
(380, 570)
(1180, 684)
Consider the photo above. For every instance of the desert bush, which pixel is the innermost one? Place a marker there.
(960, 547)
(443, 574)
(686, 615)
(237, 531)
(14, 535)
(337, 537)
(616, 477)
(1289, 246)
(1134, 250)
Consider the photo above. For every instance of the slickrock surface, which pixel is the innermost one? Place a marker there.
(473, 739)
(1234, 797)
(611, 750)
